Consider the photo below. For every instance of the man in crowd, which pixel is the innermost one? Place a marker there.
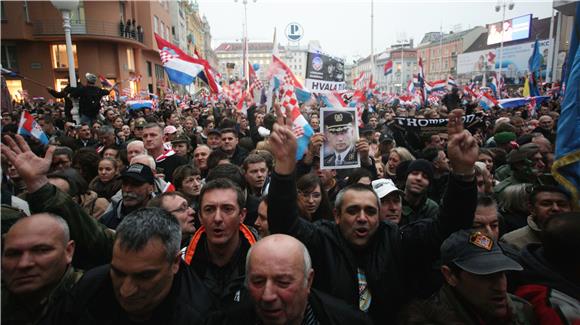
(135, 148)
(391, 200)
(544, 202)
(85, 137)
(256, 174)
(146, 281)
(36, 267)
(416, 204)
(214, 139)
(279, 280)
(485, 219)
(89, 99)
(229, 145)
(218, 249)
(177, 204)
(138, 187)
(475, 289)
(526, 165)
(200, 155)
(370, 249)
(167, 161)
(261, 224)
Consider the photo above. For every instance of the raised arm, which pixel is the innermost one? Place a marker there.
(93, 240)
(459, 200)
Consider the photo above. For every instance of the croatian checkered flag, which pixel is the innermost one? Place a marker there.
(302, 130)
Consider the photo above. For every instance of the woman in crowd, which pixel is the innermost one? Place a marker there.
(106, 184)
(312, 200)
(396, 156)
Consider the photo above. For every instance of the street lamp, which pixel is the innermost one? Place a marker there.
(501, 5)
(65, 8)
(245, 49)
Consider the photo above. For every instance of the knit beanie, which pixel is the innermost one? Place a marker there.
(423, 166)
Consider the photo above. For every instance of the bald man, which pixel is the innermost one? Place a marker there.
(279, 277)
(36, 267)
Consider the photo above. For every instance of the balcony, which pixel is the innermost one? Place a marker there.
(85, 27)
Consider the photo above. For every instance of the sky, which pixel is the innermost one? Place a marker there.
(343, 27)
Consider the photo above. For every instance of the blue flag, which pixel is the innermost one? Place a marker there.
(536, 59)
(566, 167)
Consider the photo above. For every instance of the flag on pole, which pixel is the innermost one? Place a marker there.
(438, 85)
(534, 64)
(388, 68)
(280, 73)
(451, 82)
(29, 127)
(494, 86)
(566, 167)
(421, 80)
(180, 67)
(302, 130)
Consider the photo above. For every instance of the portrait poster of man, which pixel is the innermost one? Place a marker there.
(340, 133)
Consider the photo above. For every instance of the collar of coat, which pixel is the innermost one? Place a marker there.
(191, 248)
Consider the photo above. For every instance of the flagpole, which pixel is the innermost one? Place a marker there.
(372, 40)
(271, 81)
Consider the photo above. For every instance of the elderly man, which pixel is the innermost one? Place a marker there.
(475, 291)
(146, 281)
(178, 205)
(36, 267)
(85, 136)
(200, 155)
(357, 246)
(135, 148)
(138, 186)
(546, 127)
(279, 277)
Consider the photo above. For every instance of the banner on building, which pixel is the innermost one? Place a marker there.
(324, 74)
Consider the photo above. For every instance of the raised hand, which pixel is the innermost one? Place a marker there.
(283, 143)
(462, 147)
(32, 168)
(362, 147)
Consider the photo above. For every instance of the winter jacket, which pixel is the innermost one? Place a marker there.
(16, 311)
(556, 299)
(523, 236)
(445, 307)
(428, 209)
(393, 256)
(326, 309)
(225, 284)
(93, 302)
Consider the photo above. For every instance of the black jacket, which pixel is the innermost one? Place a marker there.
(327, 310)
(93, 301)
(89, 99)
(225, 284)
(392, 257)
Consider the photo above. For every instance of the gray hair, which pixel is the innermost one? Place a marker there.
(305, 255)
(106, 129)
(149, 161)
(140, 226)
(354, 187)
(515, 198)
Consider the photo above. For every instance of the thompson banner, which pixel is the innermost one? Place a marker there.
(324, 74)
(432, 125)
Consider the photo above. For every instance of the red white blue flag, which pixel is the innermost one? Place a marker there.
(388, 68)
(29, 127)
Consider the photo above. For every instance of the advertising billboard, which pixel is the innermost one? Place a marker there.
(514, 29)
(514, 61)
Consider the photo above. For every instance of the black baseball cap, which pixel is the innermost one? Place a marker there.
(476, 253)
(338, 121)
(140, 173)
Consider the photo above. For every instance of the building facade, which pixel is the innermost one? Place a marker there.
(439, 51)
(114, 39)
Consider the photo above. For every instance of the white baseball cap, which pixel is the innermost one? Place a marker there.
(384, 187)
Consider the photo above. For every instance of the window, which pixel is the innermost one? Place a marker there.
(163, 30)
(156, 24)
(15, 88)
(149, 69)
(130, 59)
(159, 72)
(9, 57)
(3, 16)
(59, 57)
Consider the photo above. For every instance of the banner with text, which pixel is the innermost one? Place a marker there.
(324, 74)
(434, 125)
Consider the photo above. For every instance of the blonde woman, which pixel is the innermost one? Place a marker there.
(396, 156)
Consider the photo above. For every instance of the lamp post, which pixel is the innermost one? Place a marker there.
(65, 8)
(245, 49)
(501, 5)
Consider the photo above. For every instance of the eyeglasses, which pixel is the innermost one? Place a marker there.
(183, 208)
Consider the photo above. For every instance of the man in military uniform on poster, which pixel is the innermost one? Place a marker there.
(340, 138)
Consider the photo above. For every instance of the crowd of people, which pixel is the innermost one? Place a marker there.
(201, 214)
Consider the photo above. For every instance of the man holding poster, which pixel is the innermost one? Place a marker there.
(339, 150)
